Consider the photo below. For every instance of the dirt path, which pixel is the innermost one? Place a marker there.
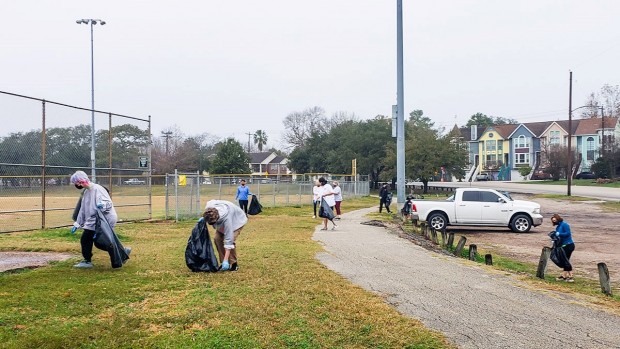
(596, 234)
(20, 260)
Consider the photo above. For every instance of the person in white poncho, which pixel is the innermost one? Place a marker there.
(228, 220)
(94, 197)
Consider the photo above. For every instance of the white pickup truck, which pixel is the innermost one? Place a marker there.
(134, 181)
(478, 207)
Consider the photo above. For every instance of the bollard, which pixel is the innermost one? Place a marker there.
(603, 276)
(542, 262)
(473, 249)
(444, 237)
(459, 246)
(434, 236)
(450, 240)
(488, 259)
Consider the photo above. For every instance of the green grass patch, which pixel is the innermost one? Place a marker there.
(611, 206)
(562, 197)
(575, 182)
(282, 297)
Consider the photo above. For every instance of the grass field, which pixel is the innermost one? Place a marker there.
(281, 298)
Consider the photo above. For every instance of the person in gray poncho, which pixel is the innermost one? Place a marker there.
(94, 197)
(228, 220)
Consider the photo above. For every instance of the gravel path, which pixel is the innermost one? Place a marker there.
(474, 306)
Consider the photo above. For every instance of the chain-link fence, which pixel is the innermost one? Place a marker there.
(187, 193)
(45, 142)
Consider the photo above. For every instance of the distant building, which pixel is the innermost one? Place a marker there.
(269, 165)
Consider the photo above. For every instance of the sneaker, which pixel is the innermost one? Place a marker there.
(313, 216)
(234, 267)
(84, 265)
(569, 279)
(560, 278)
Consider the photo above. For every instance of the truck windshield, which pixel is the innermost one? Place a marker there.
(507, 195)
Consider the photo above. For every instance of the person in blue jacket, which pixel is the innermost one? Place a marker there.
(562, 231)
(243, 193)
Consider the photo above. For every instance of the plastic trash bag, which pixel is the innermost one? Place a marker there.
(255, 206)
(105, 239)
(325, 211)
(199, 253)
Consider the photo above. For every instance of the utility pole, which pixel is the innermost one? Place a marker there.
(400, 128)
(569, 167)
(249, 135)
(167, 136)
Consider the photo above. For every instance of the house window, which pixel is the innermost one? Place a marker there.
(522, 159)
(590, 149)
(491, 145)
(522, 142)
(554, 138)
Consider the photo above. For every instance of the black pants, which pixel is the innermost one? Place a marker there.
(244, 205)
(87, 242)
(315, 204)
(568, 250)
(383, 202)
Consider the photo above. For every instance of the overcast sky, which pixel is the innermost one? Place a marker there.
(233, 67)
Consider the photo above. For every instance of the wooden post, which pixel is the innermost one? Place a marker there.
(444, 237)
(450, 240)
(473, 250)
(459, 246)
(603, 276)
(434, 236)
(488, 259)
(542, 262)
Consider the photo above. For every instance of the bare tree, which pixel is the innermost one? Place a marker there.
(608, 98)
(301, 125)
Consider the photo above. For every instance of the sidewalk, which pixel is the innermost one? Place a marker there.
(474, 306)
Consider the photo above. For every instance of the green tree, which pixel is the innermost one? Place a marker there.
(480, 119)
(260, 139)
(230, 158)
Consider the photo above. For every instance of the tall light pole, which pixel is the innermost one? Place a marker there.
(400, 121)
(92, 22)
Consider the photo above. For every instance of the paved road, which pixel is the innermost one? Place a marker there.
(473, 305)
(603, 193)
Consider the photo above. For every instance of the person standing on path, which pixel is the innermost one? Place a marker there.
(383, 198)
(243, 193)
(327, 193)
(562, 230)
(227, 219)
(316, 196)
(337, 197)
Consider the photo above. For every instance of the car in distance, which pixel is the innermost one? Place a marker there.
(483, 177)
(585, 175)
(134, 181)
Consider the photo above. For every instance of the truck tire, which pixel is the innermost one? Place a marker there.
(521, 223)
(437, 220)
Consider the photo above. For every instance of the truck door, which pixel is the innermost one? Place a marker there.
(493, 211)
(469, 208)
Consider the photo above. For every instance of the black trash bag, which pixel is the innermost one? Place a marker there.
(255, 206)
(325, 211)
(558, 255)
(105, 239)
(199, 253)
(388, 199)
(78, 206)
(406, 210)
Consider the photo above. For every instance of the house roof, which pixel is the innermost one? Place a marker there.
(257, 158)
(466, 132)
(588, 126)
(505, 130)
(279, 159)
(537, 128)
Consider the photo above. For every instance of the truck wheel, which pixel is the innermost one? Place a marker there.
(438, 221)
(521, 223)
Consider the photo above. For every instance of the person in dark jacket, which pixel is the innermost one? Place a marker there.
(383, 198)
(562, 231)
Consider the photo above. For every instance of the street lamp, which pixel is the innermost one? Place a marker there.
(92, 22)
(569, 171)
